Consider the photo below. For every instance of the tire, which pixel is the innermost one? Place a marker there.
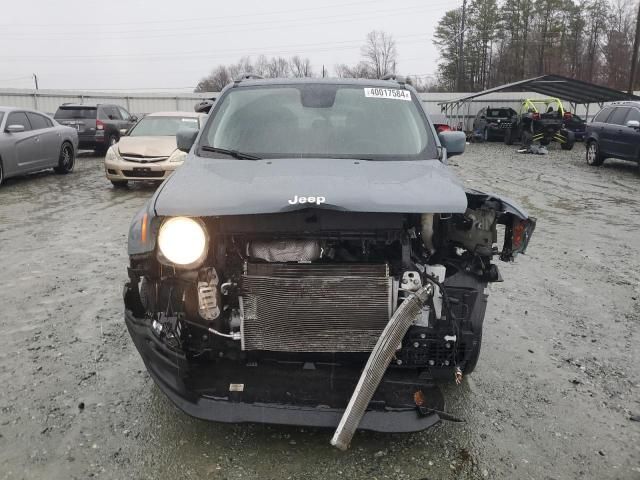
(508, 137)
(66, 159)
(568, 145)
(1, 174)
(120, 183)
(111, 140)
(485, 135)
(594, 157)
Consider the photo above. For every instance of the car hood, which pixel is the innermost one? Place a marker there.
(213, 187)
(147, 146)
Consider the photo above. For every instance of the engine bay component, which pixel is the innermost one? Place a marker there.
(208, 301)
(411, 281)
(438, 272)
(377, 365)
(475, 231)
(314, 308)
(301, 251)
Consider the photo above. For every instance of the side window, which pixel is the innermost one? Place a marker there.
(111, 113)
(124, 114)
(618, 116)
(634, 114)
(38, 122)
(603, 115)
(19, 118)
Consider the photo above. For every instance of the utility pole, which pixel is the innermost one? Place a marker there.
(322, 71)
(461, 49)
(35, 80)
(634, 58)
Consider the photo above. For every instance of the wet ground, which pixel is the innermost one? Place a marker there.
(553, 397)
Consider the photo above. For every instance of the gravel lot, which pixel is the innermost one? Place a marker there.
(553, 397)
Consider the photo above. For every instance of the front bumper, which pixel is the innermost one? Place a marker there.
(282, 395)
(124, 170)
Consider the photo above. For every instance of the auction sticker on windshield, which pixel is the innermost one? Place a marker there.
(392, 93)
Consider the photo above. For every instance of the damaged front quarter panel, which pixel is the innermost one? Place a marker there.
(519, 226)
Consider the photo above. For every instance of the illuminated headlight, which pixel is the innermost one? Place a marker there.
(183, 241)
(112, 154)
(178, 156)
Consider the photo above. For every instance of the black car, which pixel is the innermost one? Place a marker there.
(492, 123)
(614, 133)
(577, 125)
(99, 126)
(315, 261)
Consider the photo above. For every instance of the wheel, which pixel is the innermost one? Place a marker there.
(1, 173)
(120, 183)
(568, 145)
(111, 140)
(594, 157)
(508, 137)
(66, 160)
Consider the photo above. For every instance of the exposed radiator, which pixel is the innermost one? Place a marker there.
(289, 307)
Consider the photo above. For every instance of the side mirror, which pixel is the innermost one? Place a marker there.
(185, 138)
(453, 141)
(633, 124)
(123, 132)
(15, 128)
(133, 118)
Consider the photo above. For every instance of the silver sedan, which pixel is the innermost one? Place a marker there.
(31, 141)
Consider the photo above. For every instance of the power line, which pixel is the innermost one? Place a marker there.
(195, 19)
(274, 50)
(233, 28)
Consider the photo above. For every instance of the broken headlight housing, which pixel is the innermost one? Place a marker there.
(182, 242)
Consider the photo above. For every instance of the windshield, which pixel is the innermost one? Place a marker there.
(332, 121)
(75, 112)
(157, 126)
(500, 112)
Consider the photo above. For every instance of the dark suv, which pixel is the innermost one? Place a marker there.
(491, 123)
(99, 126)
(614, 132)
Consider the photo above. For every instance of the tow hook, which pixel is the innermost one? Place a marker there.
(424, 411)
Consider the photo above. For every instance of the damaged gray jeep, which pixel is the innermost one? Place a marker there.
(315, 262)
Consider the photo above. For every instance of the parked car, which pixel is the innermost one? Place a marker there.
(577, 125)
(98, 126)
(314, 236)
(149, 151)
(439, 122)
(614, 133)
(492, 123)
(541, 120)
(205, 105)
(31, 141)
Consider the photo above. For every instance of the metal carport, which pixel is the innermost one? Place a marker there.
(575, 92)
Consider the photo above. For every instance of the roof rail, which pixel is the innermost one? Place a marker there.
(397, 78)
(248, 76)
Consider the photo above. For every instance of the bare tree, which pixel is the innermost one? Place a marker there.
(380, 53)
(300, 67)
(215, 81)
(360, 70)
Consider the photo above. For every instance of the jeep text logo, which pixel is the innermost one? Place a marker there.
(298, 200)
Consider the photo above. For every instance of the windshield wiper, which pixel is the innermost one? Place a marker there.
(233, 153)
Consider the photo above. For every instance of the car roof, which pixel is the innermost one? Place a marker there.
(624, 103)
(174, 114)
(20, 109)
(364, 82)
(82, 105)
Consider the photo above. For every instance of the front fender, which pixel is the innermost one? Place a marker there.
(143, 231)
(519, 225)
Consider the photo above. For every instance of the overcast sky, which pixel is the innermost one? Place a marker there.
(171, 44)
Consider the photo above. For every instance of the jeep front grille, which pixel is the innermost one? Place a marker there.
(289, 307)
